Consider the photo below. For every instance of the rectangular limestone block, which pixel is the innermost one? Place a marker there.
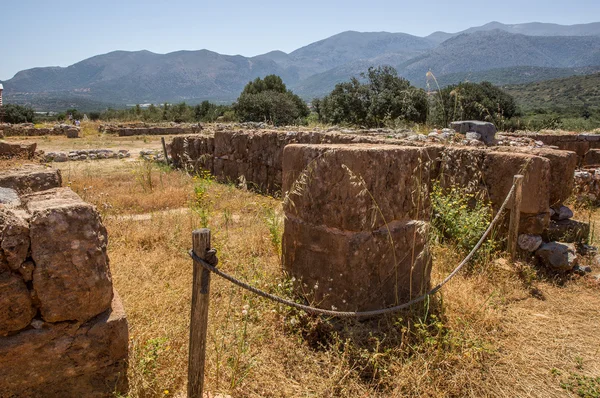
(30, 178)
(562, 169)
(72, 278)
(357, 271)
(67, 359)
(357, 187)
(499, 169)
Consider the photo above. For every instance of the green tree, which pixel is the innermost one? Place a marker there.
(18, 114)
(268, 100)
(478, 101)
(383, 97)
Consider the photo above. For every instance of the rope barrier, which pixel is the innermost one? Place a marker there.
(352, 314)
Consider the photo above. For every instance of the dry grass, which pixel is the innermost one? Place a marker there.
(486, 335)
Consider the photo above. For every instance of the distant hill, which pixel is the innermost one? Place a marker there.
(575, 92)
(529, 29)
(515, 75)
(491, 52)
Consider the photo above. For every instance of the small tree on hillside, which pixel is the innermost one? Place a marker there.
(268, 100)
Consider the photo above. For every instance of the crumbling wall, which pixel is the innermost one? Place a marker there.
(126, 130)
(257, 154)
(63, 331)
(581, 144)
(29, 130)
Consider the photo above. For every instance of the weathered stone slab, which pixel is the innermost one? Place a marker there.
(30, 178)
(486, 130)
(67, 359)
(9, 198)
(68, 245)
(12, 150)
(16, 308)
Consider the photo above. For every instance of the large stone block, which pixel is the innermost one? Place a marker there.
(357, 271)
(30, 178)
(358, 187)
(67, 359)
(562, 168)
(16, 308)
(11, 150)
(355, 230)
(71, 279)
(499, 169)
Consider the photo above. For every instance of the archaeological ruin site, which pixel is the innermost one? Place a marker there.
(356, 217)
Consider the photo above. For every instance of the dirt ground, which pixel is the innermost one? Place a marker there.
(508, 330)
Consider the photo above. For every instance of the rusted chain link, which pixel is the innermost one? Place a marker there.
(353, 314)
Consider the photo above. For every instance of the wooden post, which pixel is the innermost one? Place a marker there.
(515, 215)
(165, 150)
(199, 316)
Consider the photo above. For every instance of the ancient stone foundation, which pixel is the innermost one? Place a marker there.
(63, 332)
(348, 196)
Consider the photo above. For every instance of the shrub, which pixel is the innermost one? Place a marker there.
(268, 100)
(383, 98)
(478, 101)
(18, 114)
(460, 217)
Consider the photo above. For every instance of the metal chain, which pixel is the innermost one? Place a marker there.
(355, 314)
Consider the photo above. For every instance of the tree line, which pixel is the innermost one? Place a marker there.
(377, 98)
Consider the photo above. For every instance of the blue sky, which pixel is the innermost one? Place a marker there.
(63, 32)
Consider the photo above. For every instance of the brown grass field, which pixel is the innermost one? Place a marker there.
(503, 331)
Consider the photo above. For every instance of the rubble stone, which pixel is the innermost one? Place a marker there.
(558, 256)
(567, 231)
(486, 130)
(529, 243)
(16, 308)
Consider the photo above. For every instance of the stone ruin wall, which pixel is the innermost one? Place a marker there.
(586, 146)
(29, 130)
(329, 242)
(126, 130)
(63, 331)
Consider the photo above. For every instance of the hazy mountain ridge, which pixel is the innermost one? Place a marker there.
(124, 77)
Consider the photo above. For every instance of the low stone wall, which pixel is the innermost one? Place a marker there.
(14, 150)
(581, 144)
(29, 130)
(143, 129)
(63, 330)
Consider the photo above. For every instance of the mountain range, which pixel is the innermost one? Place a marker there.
(503, 54)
